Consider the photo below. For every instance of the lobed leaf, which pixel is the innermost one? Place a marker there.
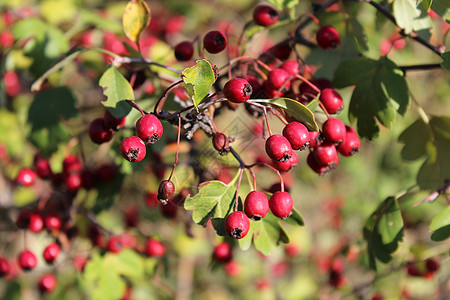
(405, 11)
(198, 80)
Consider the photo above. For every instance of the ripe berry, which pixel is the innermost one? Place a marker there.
(215, 41)
(328, 37)
(291, 66)
(334, 131)
(281, 204)
(42, 167)
(133, 149)
(165, 191)
(99, 133)
(220, 143)
(12, 83)
(113, 122)
(351, 143)
(71, 165)
(170, 210)
(256, 205)
(184, 51)
(74, 182)
(264, 15)
(326, 155)
(4, 267)
(51, 252)
(331, 100)
(47, 283)
(154, 248)
(26, 177)
(149, 128)
(432, 265)
(315, 139)
(52, 222)
(27, 260)
(223, 252)
(237, 90)
(279, 77)
(36, 223)
(315, 166)
(269, 91)
(151, 199)
(286, 166)
(115, 244)
(278, 147)
(237, 224)
(297, 134)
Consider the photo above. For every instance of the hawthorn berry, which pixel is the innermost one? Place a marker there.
(315, 139)
(237, 224)
(432, 265)
(215, 41)
(265, 15)
(115, 244)
(149, 128)
(71, 165)
(351, 144)
(73, 182)
(331, 100)
(286, 166)
(223, 252)
(328, 37)
(169, 211)
(269, 91)
(52, 222)
(279, 77)
(23, 219)
(47, 283)
(133, 149)
(326, 155)
(26, 177)
(166, 190)
(334, 131)
(36, 223)
(42, 167)
(27, 260)
(113, 122)
(291, 66)
(220, 143)
(51, 252)
(154, 248)
(256, 205)
(256, 86)
(99, 132)
(237, 90)
(5, 268)
(184, 51)
(297, 134)
(281, 204)
(278, 147)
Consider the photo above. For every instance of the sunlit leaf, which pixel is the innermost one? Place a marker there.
(198, 80)
(136, 18)
(441, 225)
(405, 11)
(116, 89)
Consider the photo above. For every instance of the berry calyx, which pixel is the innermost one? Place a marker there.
(315, 139)
(99, 132)
(154, 248)
(5, 268)
(237, 90)
(51, 252)
(277, 78)
(166, 191)
(27, 260)
(331, 100)
(220, 143)
(328, 37)
(237, 224)
(215, 41)
(47, 283)
(286, 166)
(278, 147)
(149, 128)
(297, 134)
(281, 204)
(334, 131)
(133, 149)
(256, 205)
(113, 122)
(26, 177)
(184, 51)
(351, 144)
(223, 252)
(265, 15)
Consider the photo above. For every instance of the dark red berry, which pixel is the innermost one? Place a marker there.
(5, 268)
(166, 191)
(113, 122)
(47, 283)
(215, 41)
(291, 66)
(351, 143)
(281, 204)
(256, 205)
(154, 248)
(27, 260)
(286, 166)
(42, 167)
(265, 15)
(71, 164)
(279, 77)
(133, 149)
(149, 128)
(151, 199)
(315, 166)
(223, 252)
(297, 134)
(432, 265)
(184, 51)
(281, 50)
(106, 172)
(74, 182)
(237, 224)
(237, 90)
(52, 222)
(99, 133)
(315, 139)
(220, 143)
(331, 100)
(26, 177)
(326, 155)
(278, 147)
(328, 37)
(23, 219)
(269, 91)
(170, 210)
(51, 252)
(334, 131)
(88, 180)
(36, 223)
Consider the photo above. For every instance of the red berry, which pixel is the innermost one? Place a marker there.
(74, 182)
(47, 283)
(237, 224)
(27, 260)
(42, 167)
(133, 149)
(12, 83)
(315, 139)
(237, 90)
(278, 147)
(334, 131)
(106, 172)
(269, 91)
(71, 165)
(256, 86)
(6, 39)
(326, 155)
(155, 248)
(151, 199)
(328, 37)
(432, 265)
(23, 219)
(220, 143)
(52, 222)
(215, 41)
(232, 268)
(286, 166)
(281, 50)
(264, 15)
(291, 66)
(149, 128)
(36, 223)
(351, 143)
(170, 210)
(256, 205)
(184, 51)
(331, 100)
(51, 252)
(223, 252)
(88, 180)
(113, 122)
(99, 132)
(315, 166)
(166, 191)
(279, 77)
(5, 268)
(281, 204)
(115, 244)
(26, 177)
(297, 134)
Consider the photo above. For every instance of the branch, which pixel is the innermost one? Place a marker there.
(420, 67)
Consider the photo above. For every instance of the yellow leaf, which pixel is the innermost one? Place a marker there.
(136, 18)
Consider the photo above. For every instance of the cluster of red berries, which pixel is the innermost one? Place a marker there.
(101, 130)
(425, 269)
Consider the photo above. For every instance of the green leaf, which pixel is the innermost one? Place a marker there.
(383, 231)
(116, 89)
(442, 8)
(441, 225)
(295, 218)
(446, 63)
(380, 90)
(283, 4)
(108, 192)
(426, 4)
(416, 140)
(405, 11)
(294, 109)
(358, 33)
(49, 138)
(198, 80)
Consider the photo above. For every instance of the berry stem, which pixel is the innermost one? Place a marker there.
(119, 60)
(267, 121)
(236, 200)
(314, 87)
(324, 109)
(136, 106)
(271, 167)
(163, 97)
(254, 178)
(178, 147)
(271, 110)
